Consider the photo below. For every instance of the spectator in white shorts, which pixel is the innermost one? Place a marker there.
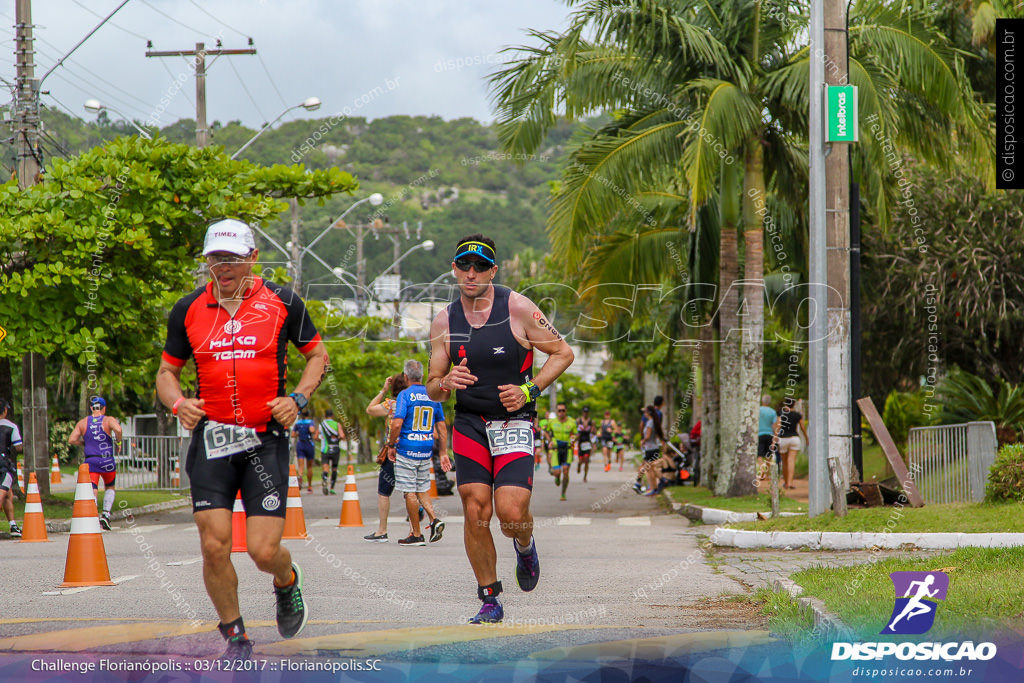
(788, 442)
(412, 440)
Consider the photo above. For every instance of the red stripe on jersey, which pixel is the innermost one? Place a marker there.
(528, 362)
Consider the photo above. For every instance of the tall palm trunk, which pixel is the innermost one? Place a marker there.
(729, 366)
(710, 405)
(743, 481)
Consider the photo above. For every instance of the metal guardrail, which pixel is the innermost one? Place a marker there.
(148, 462)
(950, 463)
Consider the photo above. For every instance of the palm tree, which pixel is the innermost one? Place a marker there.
(710, 99)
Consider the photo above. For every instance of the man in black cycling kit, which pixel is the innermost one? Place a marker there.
(236, 328)
(481, 347)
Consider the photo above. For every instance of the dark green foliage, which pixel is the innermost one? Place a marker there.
(1006, 476)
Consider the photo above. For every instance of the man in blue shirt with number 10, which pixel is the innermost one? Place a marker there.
(414, 422)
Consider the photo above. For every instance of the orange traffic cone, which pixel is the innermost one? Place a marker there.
(34, 527)
(86, 563)
(294, 519)
(176, 482)
(433, 483)
(21, 477)
(238, 544)
(55, 471)
(351, 515)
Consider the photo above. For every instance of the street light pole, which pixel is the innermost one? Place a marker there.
(95, 106)
(425, 244)
(309, 104)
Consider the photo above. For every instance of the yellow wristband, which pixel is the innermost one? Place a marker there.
(525, 391)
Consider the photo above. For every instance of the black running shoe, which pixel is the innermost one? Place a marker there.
(436, 530)
(239, 650)
(105, 521)
(527, 568)
(324, 483)
(16, 530)
(374, 538)
(491, 612)
(412, 540)
(291, 608)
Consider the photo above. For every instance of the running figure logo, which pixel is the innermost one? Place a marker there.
(916, 592)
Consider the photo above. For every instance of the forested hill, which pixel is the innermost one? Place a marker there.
(449, 175)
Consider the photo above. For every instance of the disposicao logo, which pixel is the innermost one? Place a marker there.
(913, 614)
(916, 593)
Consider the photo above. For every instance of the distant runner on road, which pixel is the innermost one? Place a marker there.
(481, 346)
(10, 446)
(100, 435)
(563, 433)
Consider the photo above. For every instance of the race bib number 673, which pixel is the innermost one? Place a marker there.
(222, 440)
(513, 436)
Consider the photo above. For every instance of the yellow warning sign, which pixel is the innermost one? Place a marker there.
(3, 333)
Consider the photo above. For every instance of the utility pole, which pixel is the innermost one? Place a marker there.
(817, 408)
(296, 248)
(199, 55)
(379, 227)
(26, 132)
(837, 227)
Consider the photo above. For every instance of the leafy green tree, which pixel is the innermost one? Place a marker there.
(92, 257)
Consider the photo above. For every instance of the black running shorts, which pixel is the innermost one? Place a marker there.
(261, 475)
(474, 462)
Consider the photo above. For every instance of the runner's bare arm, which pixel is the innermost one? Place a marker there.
(77, 436)
(168, 388)
(442, 446)
(284, 408)
(440, 369)
(529, 324)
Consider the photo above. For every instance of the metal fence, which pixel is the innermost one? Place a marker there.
(148, 462)
(950, 463)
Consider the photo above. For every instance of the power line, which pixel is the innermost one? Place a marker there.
(101, 78)
(271, 79)
(190, 28)
(200, 8)
(70, 112)
(182, 91)
(242, 82)
(100, 16)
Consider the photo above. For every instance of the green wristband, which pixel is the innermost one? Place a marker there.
(530, 390)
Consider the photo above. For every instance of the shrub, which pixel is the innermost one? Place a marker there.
(59, 433)
(904, 410)
(1006, 476)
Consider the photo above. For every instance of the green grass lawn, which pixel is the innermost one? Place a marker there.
(58, 506)
(984, 598)
(876, 467)
(952, 517)
(699, 495)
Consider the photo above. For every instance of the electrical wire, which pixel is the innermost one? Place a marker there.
(200, 8)
(70, 112)
(117, 26)
(190, 28)
(101, 78)
(271, 79)
(251, 98)
(182, 91)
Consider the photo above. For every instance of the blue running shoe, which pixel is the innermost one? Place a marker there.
(490, 612)
(527, 567)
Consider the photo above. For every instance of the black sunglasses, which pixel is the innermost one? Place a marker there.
(465, 264)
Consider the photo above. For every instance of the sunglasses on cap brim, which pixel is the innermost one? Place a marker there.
(464, 265)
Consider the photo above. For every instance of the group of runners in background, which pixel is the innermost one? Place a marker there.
(562, 438)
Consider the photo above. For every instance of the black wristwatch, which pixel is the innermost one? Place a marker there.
(299, 399)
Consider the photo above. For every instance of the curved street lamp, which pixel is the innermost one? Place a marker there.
(95, 106)
(309, 104)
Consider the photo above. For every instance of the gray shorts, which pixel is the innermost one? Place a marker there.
(412, 476)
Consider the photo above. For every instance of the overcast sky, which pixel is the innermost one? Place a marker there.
(427, 56)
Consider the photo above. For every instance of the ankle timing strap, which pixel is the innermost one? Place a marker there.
(492, 591)
(235, 628)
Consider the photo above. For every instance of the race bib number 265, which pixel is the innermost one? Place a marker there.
(513, 436)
